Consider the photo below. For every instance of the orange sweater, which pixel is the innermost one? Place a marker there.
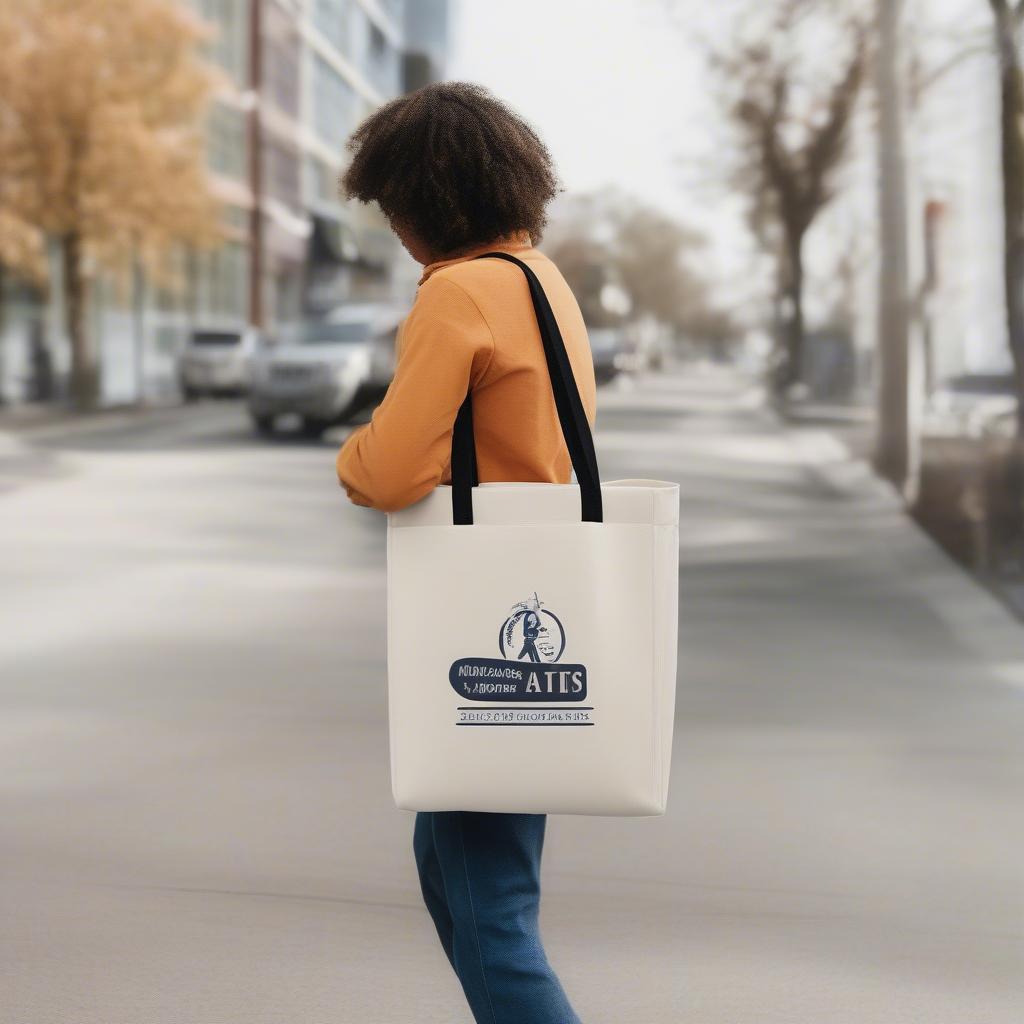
(472, 325)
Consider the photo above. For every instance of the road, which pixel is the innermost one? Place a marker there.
(197, 824)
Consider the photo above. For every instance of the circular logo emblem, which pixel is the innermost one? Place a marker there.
(531, 633)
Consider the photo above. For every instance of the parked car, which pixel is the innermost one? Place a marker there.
(216, 362)
(608, 347)
(324, 370)
(970, 405)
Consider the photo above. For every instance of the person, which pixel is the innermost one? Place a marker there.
(458, 173)
(531, 630)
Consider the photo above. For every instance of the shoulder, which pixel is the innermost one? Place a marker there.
(445, 289)
(460, 293)
(445, 312)
(484, 279)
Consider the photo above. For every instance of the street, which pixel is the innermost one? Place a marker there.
(197, 820)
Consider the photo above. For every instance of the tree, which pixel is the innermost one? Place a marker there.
(101, 150)
(21, 249)
(609, 238)
(1008, 16)
(650, 251)
(789, 106)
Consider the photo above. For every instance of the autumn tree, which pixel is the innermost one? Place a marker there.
(21, 248)
(101, 148)
(787, 84)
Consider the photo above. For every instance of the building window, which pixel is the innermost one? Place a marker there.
(222, 283)
(170, 292)
(333, 104)
(396, 8)
(382, 63)
(229, 46)
(227, 141)
(359, 36)
(281, 74)
(285, 290)
(321, 181)
(331, 18)
(281, 166)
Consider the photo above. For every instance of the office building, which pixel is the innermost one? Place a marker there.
(299, 74)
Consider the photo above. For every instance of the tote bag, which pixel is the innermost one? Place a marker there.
(532, 630)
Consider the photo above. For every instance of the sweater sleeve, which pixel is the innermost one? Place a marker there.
(403, 452)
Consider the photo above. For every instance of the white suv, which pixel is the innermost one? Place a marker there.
(324, 370)
(216, 362)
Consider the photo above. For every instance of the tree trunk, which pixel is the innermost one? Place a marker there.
(795, 325)
(139, 326)
(1012, 146)
(3, 332)
(892, 442)
(84, 367)
(788, 319)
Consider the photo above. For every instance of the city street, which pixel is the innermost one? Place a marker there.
(197, 820)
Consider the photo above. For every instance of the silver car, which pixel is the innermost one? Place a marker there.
(324, 370)
(607, 346)
(216, 362)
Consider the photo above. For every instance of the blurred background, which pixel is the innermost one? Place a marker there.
(795, 229)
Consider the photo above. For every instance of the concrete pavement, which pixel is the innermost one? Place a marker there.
(197, 823)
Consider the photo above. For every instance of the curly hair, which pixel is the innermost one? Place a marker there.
(454, 164)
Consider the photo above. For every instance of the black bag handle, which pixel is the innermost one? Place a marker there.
(571, 417)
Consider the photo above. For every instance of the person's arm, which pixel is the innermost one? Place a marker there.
(403, 452)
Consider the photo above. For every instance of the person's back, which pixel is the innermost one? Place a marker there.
(458, 174)
(473, 320)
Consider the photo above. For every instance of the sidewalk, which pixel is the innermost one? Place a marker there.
(845, 832)
(196, 808)
(41, 420)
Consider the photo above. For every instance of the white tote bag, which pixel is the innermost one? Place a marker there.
(532, 631)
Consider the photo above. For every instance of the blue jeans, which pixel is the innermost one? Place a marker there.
(480, 876)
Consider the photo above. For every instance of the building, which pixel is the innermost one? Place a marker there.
(954, 139)
(301, 74)
(953, 200)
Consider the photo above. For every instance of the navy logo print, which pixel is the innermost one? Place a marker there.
(531, 642)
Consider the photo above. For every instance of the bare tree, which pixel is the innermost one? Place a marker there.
(789, 113)
(651, 255)
(610, 238)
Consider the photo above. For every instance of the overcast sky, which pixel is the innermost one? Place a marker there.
(615, 86)
(607, 83)
(615, 89)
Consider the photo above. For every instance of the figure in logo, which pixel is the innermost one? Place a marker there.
(531, 630)
(531, 642)
(542, 636)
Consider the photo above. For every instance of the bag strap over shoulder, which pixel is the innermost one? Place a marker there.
(571, 417)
